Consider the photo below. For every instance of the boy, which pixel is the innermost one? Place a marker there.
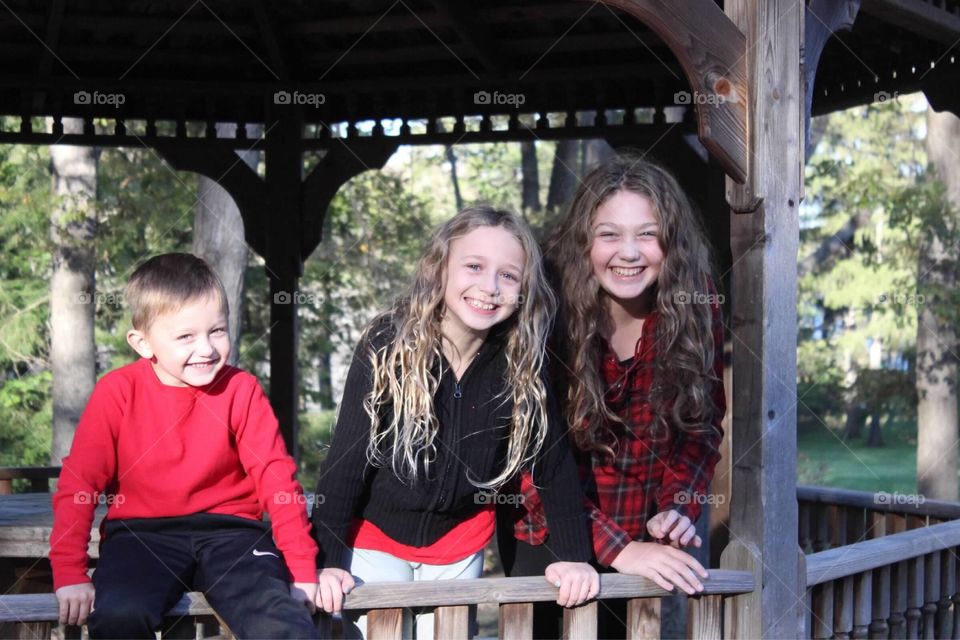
(186, 452)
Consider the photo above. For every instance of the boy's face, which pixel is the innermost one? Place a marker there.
(187, 347)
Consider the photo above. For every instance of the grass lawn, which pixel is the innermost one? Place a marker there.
(824, 459)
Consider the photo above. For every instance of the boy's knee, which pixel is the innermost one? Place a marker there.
(122, 619)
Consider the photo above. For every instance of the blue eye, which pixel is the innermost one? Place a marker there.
(510, 276)
(473, 267)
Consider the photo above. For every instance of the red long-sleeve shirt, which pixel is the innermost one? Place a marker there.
(156, 451)
(647, 475)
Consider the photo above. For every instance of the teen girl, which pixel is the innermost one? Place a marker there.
(445, 401)
(641, 342)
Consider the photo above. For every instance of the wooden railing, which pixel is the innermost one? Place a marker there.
(35, 615)
(830, 518)
(883, 565)
(39, 478)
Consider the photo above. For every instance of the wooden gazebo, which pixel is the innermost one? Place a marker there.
(357, 78)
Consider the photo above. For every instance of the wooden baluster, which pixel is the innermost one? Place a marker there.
(516, 621)
(898, 582)
(914, 612)
(843, 608)
(705, 617)
(451, 623)
(856, 524)
(804, 535)
(931, 593)
(862, 602)
(879, 628)
(955, 591)
(822, 611)
(385, 624)
(643, 619)
(807, 631)
(821, 540)
(838, 526)
(580, 622)
(947, 581)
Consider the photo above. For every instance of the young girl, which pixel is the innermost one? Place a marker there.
(444, 402)
(642, 345)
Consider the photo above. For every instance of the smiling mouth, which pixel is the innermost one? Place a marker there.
(625, 272)
(481, 306)
(203, 365)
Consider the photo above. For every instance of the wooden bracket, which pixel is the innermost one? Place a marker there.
(713, 54)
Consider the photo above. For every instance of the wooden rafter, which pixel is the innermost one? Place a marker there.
(923, 18)
(478, 40)
(712, 52)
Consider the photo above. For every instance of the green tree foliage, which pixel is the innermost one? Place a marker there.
(858, 256)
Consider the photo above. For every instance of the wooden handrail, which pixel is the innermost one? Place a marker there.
(535, 589)
(29, 473)
(878, 501)
(43, 607)
(853, 559)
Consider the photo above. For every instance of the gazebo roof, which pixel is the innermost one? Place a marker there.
(372, 59)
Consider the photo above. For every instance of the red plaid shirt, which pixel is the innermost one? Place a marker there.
(647, 475)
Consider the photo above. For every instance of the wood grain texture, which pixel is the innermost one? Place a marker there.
(643, 619)
(711, 51)
(516, 621)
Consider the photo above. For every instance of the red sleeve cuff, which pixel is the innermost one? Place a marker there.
(66, 579)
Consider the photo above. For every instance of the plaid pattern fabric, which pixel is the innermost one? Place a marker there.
(647, 475)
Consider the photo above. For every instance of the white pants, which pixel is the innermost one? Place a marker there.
(367, 565)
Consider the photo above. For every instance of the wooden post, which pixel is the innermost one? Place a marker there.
(764, 236)
(284, 167)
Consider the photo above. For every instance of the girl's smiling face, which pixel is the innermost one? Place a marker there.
(626, 254)
(484, 279)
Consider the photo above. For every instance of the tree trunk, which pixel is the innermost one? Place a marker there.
(563, 177)
(452, 159)
(936, 336)
(531, 177)
(73, 225)
(218, 235)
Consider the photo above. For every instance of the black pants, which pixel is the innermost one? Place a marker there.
(147, 564)
(522, 559)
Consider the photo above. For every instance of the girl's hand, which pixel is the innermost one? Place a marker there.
(76, 602)
(577, 581)
(663, 564)
(332, 583)
(305, 592)
(681, 531)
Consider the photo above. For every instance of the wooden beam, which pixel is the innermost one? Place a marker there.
(712, 52)
(344, 160)
(479, 40)
(823, 19)
(922, 18)
(268, 34)
(763, 510)
(226, 168)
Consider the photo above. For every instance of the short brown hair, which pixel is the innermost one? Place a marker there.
(165, 283)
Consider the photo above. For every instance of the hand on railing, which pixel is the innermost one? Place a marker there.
(332, 583)
(76, 602)
(577, 581)
(665, 565)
